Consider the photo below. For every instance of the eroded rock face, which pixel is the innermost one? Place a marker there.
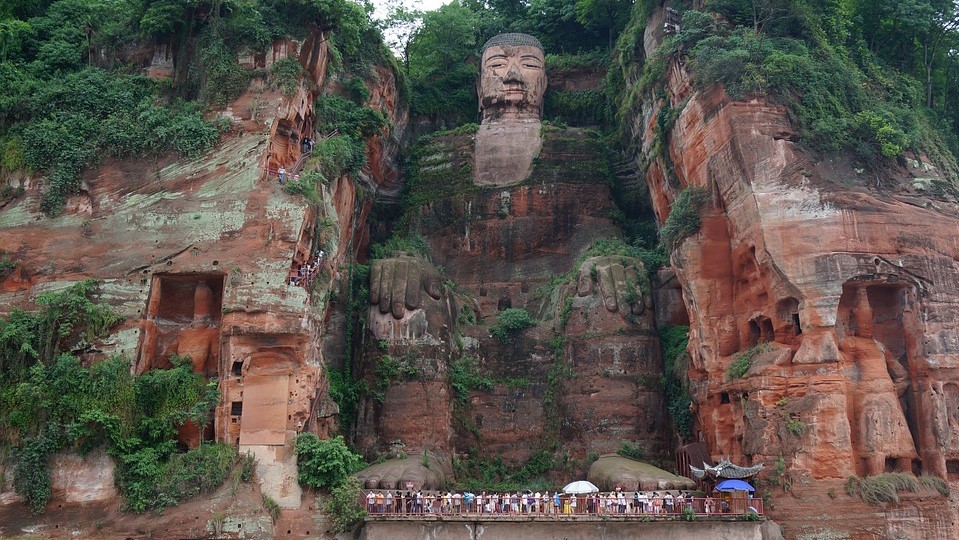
(851, 286)
(195, 255)
(612, 471)
(586, 378)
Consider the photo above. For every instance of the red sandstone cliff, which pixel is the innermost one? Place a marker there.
(195, 255)
(851, 281)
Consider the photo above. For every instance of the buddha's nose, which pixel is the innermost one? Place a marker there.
(513, 75)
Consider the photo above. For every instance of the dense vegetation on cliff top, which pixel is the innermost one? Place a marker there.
(872, 78)
(876, 78)
(70, 93)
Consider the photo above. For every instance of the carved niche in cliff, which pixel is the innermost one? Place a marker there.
(183, 319)
(876, 328)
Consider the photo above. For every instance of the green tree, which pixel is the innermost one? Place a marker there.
(324, 463)
(609, 16)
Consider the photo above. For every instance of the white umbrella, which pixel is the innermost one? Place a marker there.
(580, 486)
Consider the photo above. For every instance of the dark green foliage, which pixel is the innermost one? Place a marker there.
(492, 473)
(510, 322)
(348, 118)
(50, 402)
(464, 376)
(81, 115)
(343, 507)
(575, 107)
(411, 244)
(285, 74)
(324, 463)
(442, 77)
(186, 475)
(683, 219)
(344, 389)
(66, 320)
(66, 405)
(631, 451)
(674, 340)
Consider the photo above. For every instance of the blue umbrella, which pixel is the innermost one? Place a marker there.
(734, 485)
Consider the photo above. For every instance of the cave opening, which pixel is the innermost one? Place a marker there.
(952, 469)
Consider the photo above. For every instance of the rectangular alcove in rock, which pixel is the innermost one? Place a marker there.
(182, 318)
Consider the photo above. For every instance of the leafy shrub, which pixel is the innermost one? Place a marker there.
(200, 470)
(324, 463)
(50, 401)
(343, 508)
(413, 244)
(221, 78)
(796, 426)
(357, 90)
(285, 75)
(575, 107)
(247, 466)
(631, 451)
(744, 360)
(81, 115)
(510, 322)
(683, 219)
(464, 376)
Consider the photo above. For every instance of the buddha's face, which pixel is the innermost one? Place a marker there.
(512, 83)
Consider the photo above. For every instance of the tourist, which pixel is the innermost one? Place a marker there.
(457, 502)
(281, 174)
(557, 502)
(657, 503)
(668, 503)
(480, 501)
(621, 499)
(643, 502)
(418, 505)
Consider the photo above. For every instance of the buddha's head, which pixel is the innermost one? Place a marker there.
(512, 79)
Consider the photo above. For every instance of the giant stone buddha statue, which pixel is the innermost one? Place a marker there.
(536, 198)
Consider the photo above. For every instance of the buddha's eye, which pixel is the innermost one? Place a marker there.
(531, 66)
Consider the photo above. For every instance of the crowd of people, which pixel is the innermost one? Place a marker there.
(546, 503)
(307, 271)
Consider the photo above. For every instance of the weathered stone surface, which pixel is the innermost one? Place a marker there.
(613, 471)
(846, 271)
(505, 153)
(398, 473)
(195, 255)
(501, 248)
